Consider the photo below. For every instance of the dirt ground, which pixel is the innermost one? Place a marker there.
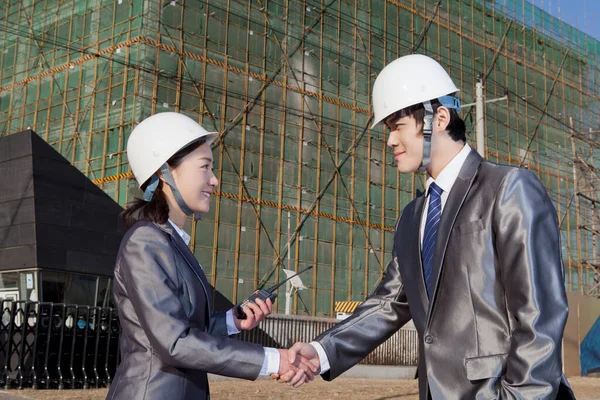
(355, 389)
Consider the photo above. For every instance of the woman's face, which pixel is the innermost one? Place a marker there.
(195, 179)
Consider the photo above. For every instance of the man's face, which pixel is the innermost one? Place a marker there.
(406, 140)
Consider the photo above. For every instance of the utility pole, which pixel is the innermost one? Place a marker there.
(288, 286)
(479, 104)
(480, 116)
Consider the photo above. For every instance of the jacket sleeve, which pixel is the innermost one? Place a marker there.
(218, 324)
(373, 322)
(146, 274)
(527, 241)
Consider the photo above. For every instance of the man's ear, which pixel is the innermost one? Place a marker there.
(442, 118)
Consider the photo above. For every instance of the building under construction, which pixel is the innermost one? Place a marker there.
(287, 83)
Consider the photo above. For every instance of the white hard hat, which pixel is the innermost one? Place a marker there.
(407, 81)
(157, 138)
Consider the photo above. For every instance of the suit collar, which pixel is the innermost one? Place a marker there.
(471, 166)
(166, 227)
(183, 234)
(184, 250)
(456, 198)
(447, 177)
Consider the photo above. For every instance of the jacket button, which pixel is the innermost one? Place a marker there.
(428, 339)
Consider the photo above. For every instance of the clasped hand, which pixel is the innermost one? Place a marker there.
(298, 365)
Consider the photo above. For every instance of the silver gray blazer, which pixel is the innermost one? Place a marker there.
(170, 340)
(493, 327)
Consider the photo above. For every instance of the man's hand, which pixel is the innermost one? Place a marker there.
(305, 351)
(295, 372)
(255, 312)
(305, 357)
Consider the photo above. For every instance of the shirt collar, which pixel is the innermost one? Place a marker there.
(186, 238)
(447, 177)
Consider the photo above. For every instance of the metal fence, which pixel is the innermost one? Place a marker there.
(285, 330)
(45, 345)
(61, 346)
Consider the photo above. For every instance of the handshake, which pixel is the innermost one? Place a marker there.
(298, 365)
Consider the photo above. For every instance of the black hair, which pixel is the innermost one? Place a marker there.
(456, 127)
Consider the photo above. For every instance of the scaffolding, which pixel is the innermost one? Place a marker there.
(287, 85)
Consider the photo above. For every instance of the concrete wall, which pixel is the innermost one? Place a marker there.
(584, 315)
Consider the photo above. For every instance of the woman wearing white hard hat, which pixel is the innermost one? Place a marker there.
(170, 340)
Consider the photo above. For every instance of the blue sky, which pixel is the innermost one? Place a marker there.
(582, 14)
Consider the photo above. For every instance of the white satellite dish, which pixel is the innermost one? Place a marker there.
(296, 282)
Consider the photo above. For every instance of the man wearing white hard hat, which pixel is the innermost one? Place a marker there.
(170, 339)
(476, 262)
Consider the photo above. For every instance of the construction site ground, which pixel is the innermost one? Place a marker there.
(264, 389)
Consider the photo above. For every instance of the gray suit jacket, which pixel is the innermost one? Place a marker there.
(169, 339)
(494, 324)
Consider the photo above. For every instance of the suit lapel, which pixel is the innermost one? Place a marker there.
(415, 247)
(455, 200)
(184, 250)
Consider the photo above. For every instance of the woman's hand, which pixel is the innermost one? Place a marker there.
(255, 312)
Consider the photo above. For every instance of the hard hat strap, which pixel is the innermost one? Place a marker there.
(450, 102)
(427, 131)
(151, 188)
(171, 182)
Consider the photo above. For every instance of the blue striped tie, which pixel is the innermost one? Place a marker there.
(434, 212)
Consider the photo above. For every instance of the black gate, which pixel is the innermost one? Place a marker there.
(57, 346)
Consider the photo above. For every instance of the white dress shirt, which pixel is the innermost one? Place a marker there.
(271, 362)
(445, 181)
